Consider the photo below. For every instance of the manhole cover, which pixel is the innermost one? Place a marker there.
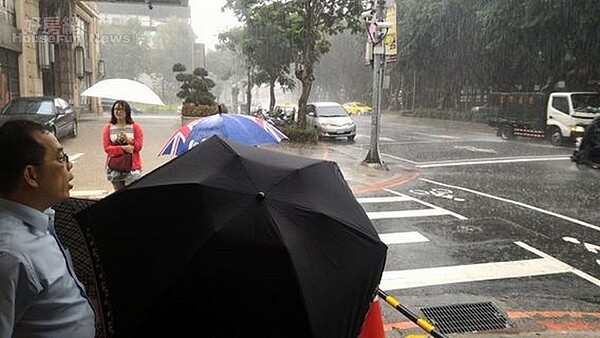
(473, 317)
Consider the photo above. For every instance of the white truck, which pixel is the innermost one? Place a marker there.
(557, 116)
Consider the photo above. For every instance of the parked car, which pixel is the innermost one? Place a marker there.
(55, 113)
(357, 108)
(330, 119)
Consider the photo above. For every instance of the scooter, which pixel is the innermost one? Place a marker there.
(587, 147)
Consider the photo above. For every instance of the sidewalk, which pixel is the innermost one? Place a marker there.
(362, 178)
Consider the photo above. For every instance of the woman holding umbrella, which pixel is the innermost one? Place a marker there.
(122, 138)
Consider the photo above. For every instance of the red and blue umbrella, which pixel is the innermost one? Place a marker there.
(239, 128)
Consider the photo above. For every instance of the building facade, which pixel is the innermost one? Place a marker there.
(51, 48)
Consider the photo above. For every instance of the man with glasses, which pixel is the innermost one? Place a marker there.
(40, 296)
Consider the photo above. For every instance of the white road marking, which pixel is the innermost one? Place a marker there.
(546, 265)
(475, 149)
(400, 159)
(486, 160)
(88, 193)
(386, 199)
(453, 164)
(406, 279)
(593, 248)
(407, 213)
(571, 240)
(380, 139)
(551, 213)
(493, 159)
(403, 237)
(555, 261)
(413, 278)
(438, 136)
(447, 212)
(74, 157)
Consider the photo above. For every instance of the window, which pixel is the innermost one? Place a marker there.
(9, 75)
(561, 104)
(7, 12)
(586, 103)
(61, 103)
(83, 35)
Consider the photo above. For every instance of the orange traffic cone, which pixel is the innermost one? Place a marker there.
(373, 324)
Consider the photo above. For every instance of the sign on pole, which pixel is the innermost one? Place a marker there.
(390, 42)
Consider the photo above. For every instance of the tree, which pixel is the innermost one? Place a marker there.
(549, 40)
(342, 73)
(220, 63)
(271, 48)
(239, 42)
(307, 27)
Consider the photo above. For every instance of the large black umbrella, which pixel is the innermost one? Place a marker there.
(232, 240)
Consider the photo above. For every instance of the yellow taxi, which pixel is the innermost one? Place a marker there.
(357, 108)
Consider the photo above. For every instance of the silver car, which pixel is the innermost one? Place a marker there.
(331, 120)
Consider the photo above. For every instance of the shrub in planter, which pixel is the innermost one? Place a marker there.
(195, 88)
(300, 135)
(201, 110)
(191, 112)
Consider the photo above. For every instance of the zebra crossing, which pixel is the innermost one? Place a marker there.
(411, 207)
(431, 210)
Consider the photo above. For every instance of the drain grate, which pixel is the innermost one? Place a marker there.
(473, 317)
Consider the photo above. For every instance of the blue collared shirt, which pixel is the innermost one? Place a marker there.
(39, 293)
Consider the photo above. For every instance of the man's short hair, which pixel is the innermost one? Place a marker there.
(18, 148)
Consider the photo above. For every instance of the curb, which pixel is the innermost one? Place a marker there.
(385, 184)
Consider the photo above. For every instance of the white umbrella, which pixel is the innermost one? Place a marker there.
(123, 89)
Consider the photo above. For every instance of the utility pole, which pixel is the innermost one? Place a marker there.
(377, 35)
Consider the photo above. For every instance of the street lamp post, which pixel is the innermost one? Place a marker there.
(377, 34)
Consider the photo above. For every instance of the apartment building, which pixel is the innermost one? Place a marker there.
(49, 48)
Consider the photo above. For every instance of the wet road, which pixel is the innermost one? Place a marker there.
(513, 223)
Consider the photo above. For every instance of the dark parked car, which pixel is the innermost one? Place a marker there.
(54, 113)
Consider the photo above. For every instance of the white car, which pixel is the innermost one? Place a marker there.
(330, 119)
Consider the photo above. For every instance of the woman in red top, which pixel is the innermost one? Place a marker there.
(123, 135)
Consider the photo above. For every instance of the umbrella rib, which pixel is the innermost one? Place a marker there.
(305, 208)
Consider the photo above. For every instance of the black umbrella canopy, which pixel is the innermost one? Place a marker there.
(231, 240)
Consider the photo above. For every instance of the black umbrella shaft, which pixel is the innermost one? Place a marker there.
(421, 322)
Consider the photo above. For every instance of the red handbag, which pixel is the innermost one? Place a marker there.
(120, 162)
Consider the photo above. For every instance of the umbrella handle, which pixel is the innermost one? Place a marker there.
(421, 322)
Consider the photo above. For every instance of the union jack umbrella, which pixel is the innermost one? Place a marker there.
(245, 129)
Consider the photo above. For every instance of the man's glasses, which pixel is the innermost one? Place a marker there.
(64, 159)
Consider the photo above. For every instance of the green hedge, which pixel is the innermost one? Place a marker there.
(447, 115)
(300, 135)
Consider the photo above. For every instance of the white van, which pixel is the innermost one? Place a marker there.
(330, 119)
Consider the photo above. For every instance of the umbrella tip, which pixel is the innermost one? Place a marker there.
(260, 196)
